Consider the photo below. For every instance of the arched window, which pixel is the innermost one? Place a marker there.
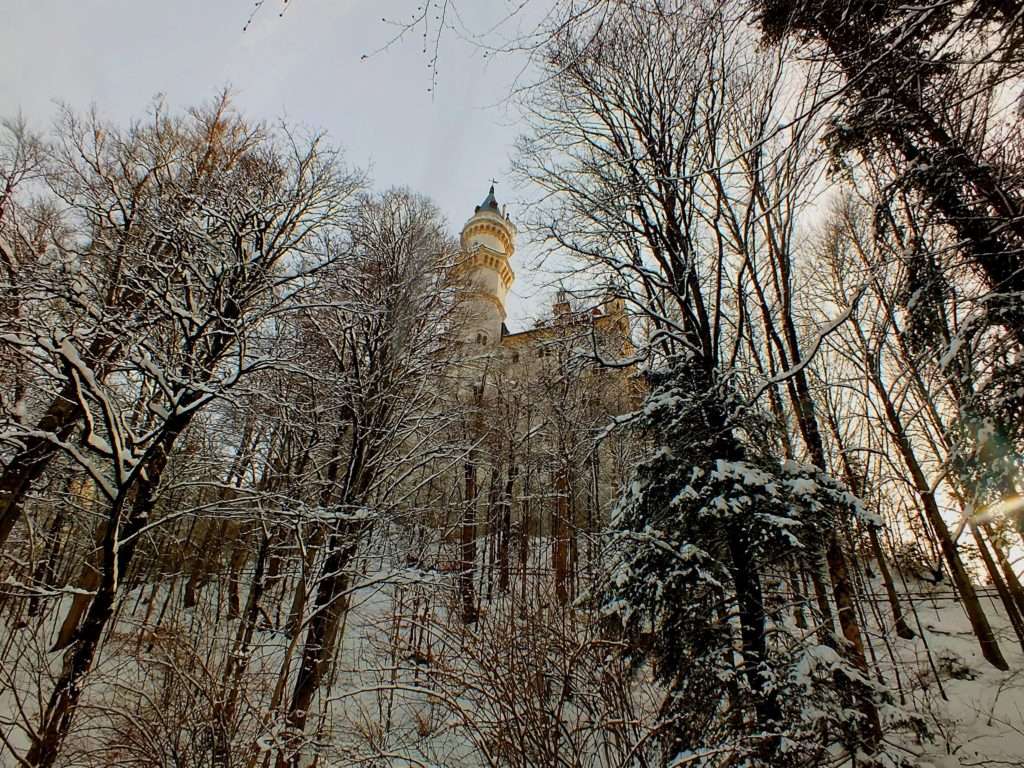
(481, 339)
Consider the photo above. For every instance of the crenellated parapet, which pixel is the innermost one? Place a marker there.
(492, 229)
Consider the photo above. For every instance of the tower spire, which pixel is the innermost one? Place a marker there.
(488, 242)
(490, 202)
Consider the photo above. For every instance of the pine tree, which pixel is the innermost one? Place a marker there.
(697, 537)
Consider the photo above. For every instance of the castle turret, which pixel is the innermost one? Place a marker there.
(488, 241)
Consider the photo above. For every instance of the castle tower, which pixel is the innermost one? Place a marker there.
(488, 241)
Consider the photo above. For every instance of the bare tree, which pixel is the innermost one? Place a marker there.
(847, 242)
(382, 321)
(203, 284)
(629, 143)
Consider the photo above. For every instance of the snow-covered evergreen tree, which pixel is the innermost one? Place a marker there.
(699, 535)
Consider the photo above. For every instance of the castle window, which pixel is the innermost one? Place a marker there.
(481, 339)
(515, 355)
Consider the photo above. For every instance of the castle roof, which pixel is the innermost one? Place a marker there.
(490, 202)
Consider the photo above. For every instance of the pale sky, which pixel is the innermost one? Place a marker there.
(305, 66)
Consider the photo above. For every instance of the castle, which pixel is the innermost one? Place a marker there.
(542, 470)
(488, 242)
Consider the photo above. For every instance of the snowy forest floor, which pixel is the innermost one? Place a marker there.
(973, 712)
(413, 686)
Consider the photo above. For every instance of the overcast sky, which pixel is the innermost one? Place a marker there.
(304, 65)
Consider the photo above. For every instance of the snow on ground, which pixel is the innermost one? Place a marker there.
(411, 687)
(980, 719)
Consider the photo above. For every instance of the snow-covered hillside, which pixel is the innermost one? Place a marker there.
(530, 684)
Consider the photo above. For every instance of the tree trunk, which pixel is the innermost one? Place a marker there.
(236, 663)
(899, 621)
(560, 539)
(46, 570)
(59, 420)
(32, 460)
(467, 548)
(750, 598)
(239, 557)
(997, 581)
(1012, 582)
(88, 581)
(799, 615)
(298, 607)
(321, 632)
(852, 481)
(494, 503)
(975, 613)
(802, 401)
(842, 588)
(504, 566)
(827, 631)
(198, 564)
(118, 548)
